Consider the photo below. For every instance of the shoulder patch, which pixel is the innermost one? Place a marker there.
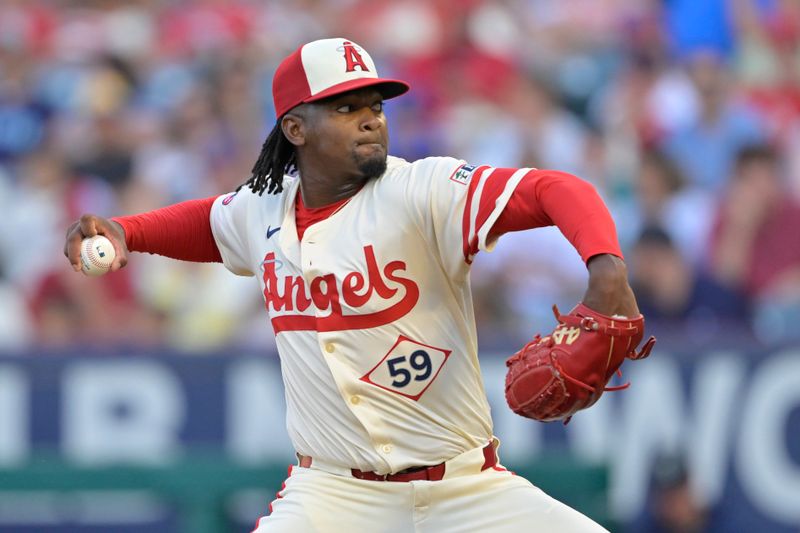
(462, 174)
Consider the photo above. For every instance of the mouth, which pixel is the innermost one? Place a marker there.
(371, 147)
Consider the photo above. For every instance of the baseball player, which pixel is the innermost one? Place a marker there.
(363, 260)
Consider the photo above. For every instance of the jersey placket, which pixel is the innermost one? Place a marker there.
(315, 248)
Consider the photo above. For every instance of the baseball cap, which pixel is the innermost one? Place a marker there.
(324, 68)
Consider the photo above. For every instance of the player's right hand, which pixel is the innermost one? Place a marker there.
(89, 226)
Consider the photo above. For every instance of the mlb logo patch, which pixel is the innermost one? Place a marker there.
(462, 174)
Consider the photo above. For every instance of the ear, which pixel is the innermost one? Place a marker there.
(294, 128)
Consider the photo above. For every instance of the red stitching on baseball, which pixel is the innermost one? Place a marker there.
(91, 256)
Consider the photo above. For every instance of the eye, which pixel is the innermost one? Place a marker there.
(378, 107)
(346, 108)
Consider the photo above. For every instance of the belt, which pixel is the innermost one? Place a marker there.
(416, 473)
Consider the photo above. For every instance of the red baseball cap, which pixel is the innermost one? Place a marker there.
(325, 68)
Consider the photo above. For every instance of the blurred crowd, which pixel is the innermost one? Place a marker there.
(685, 115)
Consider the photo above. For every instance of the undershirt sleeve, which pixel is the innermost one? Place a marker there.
(548, 197)
(180, 231)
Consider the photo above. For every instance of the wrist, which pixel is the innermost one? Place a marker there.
(608, 291)
(607, 270)
(119, 228)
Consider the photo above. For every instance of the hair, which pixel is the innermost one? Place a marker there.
(277, 158)
(756, 153)
(668, 171)
(653, 235)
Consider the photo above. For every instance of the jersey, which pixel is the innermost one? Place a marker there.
(372, 310)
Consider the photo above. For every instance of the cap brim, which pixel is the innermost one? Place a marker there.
(388, 88)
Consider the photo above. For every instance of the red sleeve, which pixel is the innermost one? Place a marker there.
(548, 197)
(181, 231)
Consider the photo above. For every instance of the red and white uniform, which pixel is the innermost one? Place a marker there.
(374, 321)
(373, 316)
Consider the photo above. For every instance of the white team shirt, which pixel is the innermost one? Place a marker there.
(372, 310)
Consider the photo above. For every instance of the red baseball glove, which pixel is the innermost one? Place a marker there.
(554, 377)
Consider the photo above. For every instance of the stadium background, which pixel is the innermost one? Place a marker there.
(151, 400)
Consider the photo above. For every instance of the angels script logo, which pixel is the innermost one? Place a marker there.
(327, 293)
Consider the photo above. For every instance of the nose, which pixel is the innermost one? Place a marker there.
(371, 121)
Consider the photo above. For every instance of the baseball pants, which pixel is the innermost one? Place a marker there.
(327, 499)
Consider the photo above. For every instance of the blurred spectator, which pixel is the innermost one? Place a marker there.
(768, 67)
(673, 507)
(110, 159)
(767, 61)
(648, 100)
(16, 328)
(706, 148)
(169, 169)
(34, 194)
(665, 200)
(71, 310)
(205, 26)
(670, 291)
(25, 26)
(756, 245)
(23, 118)
(550, 136)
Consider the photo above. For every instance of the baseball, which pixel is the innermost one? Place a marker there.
(97, 254)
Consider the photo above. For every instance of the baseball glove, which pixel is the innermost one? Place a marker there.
(554, 377)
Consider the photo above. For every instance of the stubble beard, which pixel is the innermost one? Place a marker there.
(372, 167)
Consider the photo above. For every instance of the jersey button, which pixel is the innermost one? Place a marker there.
(329, 348)
(355, 400)
(387, 448)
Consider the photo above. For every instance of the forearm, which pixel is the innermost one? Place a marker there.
(180, 231)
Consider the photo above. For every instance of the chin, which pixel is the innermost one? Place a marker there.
(372, 167)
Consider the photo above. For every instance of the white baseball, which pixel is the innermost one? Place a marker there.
(97, 254)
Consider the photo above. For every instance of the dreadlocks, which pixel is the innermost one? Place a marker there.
(277, 158)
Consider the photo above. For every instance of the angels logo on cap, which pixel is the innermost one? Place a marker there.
(326, 68)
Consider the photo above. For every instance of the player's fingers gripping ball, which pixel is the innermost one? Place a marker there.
(97, 254)
(554, 377)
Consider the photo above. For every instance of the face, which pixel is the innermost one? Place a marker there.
(345, 135)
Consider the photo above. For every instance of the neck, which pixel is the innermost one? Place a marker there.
(320, 188)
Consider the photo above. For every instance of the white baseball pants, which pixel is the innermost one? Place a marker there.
(326, 499)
